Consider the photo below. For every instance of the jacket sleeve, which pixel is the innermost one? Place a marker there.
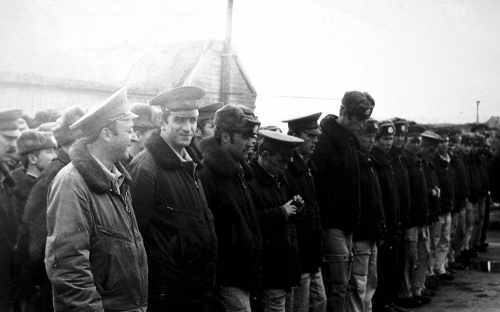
(69, 225)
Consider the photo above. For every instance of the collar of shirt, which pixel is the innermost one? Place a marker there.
(183, 156)
(115, 176)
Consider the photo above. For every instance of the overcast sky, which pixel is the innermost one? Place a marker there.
(425, 60)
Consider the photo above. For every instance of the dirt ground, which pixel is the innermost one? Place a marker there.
(473, 289)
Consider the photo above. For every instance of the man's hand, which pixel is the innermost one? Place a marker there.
(298, 202)
(289, 208)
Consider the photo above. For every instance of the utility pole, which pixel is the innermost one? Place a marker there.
(477, 111)
(226, 56)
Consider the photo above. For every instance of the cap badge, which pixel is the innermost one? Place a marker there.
(368, 112)
(403, 128)
(390, 130)
(375, 125)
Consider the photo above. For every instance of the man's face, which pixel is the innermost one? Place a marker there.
(413, 144)
(366, 140)
(179, 131)
(240, 146)
(142, 137)
(274, 164)
(8, 145)
(354, 123)
(208, 129)
(310, 140)
(430, 150)
(44, 158)
(455, 146)
(466, 148)
(399, 141)
(384, 143)
(122, 139)
(443, 147)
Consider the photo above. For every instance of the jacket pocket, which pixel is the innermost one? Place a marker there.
(113, 233)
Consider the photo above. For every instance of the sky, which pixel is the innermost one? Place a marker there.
(426, 60)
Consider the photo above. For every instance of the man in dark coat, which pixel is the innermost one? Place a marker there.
(446, 177)
(276, 213)
(225, 176)
(205, 125)
(144, 125)
(401, 173)
(388, 256)
(172, 211)
(430, 143)
(472, 204)
(9, 133)
(338, 189)
(310, 294)
(37, 149)
(417, 248)
(458, 214)
(95, 255)
(33, 230)
(371, 231)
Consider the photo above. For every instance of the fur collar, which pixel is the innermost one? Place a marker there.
(63, 156)
(24, 183)
(339, 136)
(90, 170)
(221, 162)
(163, 154)
(8, 180)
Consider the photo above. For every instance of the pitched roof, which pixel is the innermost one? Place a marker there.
(144, 69)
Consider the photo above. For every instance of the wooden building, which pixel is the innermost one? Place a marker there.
(60, 79)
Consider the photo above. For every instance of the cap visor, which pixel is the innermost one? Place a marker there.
(186, 114)
(128, 116)
(11, 133)
(312, 131)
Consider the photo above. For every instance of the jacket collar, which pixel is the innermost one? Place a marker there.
(221, 162)
(298, 166)
(263, 177)
(339, 136)
(381, 158)
(8, 180)
(164, 155)
(63, 156)
(90, 170)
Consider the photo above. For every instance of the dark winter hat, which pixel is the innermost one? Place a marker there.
(468, 139)
(415, 130)
(443, 132)
(371, 126)
(386, 127)
(455, 135)
(359, 104)
(181, 101)
(8, 122)
(401, 126)
(238, 118)
(307, 124)
(279, 142)
(62, 132)
(148, 116)
(46, 115)
(478, 140)
(113, 108)
(208, 111)
(33, 140)
(431, 138)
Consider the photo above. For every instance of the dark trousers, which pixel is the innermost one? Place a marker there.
(157, 304)
(389, 274)
(484, 230)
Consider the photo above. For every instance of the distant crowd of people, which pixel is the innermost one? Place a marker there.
(168, 206)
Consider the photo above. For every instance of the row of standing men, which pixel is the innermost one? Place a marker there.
(292, 222)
